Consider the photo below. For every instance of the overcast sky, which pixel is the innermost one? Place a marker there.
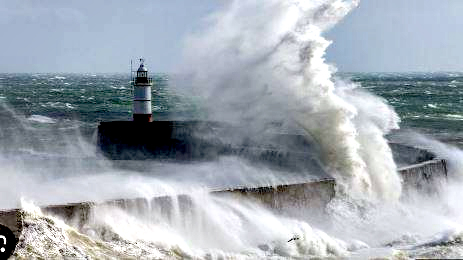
(102, 36)
(400, 35)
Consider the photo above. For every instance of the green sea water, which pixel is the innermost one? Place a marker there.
(44, 116)
(429, 102)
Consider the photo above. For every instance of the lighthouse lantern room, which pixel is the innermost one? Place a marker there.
(142, 95)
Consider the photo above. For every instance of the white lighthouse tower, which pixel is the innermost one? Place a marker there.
(142, 95)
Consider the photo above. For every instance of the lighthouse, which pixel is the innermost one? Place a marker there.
(142, 95)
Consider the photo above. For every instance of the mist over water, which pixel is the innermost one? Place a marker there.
(257, 64)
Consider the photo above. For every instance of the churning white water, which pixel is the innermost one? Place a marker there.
(261, 61)
(255, 62)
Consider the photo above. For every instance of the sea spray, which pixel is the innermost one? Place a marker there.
(450, 152)
(205, 227)
(48, 237)
(201, 224)
(260, 62)
(374, 119)
(197, 225)
(415, 228)
(305, 93)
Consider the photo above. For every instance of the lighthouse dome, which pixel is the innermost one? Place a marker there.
(142, 68)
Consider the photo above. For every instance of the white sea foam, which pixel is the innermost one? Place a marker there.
(42, 119)
(454, 116)
(58, 104)
(260, 61)
(208, 227)
(117, 87)
(265, 62)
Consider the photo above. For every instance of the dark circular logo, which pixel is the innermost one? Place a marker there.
(7, 242)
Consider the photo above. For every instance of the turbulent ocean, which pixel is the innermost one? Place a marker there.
(52, 118)
(255, 64)
(429, 103)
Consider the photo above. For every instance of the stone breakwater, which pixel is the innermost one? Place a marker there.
(311, 195)
(422, 177)
(421, 170)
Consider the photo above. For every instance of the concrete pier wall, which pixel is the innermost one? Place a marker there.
(293, 151)
(185, 141)
(311, 195)
(405, 155)
(421, 170)
(203, 141)
(425, 177)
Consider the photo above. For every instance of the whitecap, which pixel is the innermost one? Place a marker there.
(42, 119)
(58, 105)
(356, 245)
(454, 116)
(25, 99)
(449, 236)
(120, 88)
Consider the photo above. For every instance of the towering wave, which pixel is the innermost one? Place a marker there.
(257, 62)
(263, 61)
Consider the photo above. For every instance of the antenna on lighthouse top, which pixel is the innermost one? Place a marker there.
(131, 71)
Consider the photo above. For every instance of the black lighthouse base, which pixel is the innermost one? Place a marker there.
(202, 141)
(144, 118)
